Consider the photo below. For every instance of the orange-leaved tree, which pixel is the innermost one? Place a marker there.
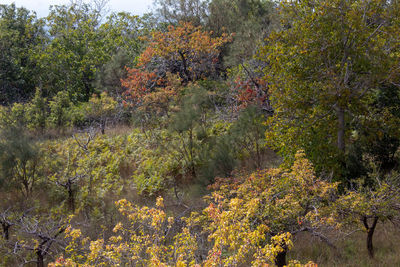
(187, 50)
(184, 54)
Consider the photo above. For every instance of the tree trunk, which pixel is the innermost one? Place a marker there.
(280, 259)
(191, 148)
(370, 234)
(71, 200)
(103, 126)
(40, 260)
(258, 154)
(6, 227)
(185, 71)
(341, 129)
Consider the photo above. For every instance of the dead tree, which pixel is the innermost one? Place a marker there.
(45, 235)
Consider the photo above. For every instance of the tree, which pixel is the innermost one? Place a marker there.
(365, 206)
(322, 73)
(6, 221)
(141, 241)
(100, 108)
(149, 237)
(189, 124)
(37, 112)
(69, 60)
(81, 45)
(34, 239)
(375, 135)
(255, 216)
(174, 59)
(175, 11)
(59, 113)
(139, 83)
(248, 134)
(120, 34)
(20, 33)
(249, 20)
(185, 49)
(248, 88)
(19, 160)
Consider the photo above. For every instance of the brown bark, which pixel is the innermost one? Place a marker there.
(40, 259)
(341, 129)
(280, 259)
(71, 200)
(370, 234)
(185, 70)
(6, 228)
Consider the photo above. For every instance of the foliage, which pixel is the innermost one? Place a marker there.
(256, 216)
(59, 117)
(249, 88)
(365, 206)
(185, 49)
(139, 83)
(249, 20)
(100, 109)
(247, 134)
(325, 82)
(141, 241)
(175, 11)
(21, 32)
(37, 112)
(121, 34)
(92, 163)
(322, 73)
(147, 239)
(81, 44)
(19, 160)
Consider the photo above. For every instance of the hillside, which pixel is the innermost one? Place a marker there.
(205, 133)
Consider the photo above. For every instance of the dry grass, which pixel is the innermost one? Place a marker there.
(351, 251)
(118, 129)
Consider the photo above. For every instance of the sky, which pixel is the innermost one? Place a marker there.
(137, 7)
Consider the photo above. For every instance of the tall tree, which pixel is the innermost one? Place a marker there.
(185, 49)
(20, 33)
(175, 11)
(324, 68)
(81, 45)
(249, 20)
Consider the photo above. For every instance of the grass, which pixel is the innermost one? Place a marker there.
(352, 250)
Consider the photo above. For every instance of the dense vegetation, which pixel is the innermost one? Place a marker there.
(207, 133)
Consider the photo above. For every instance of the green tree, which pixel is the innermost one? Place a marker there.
(189, 124)
(249, 21)
(175, 11)
(59, 110)
(366, 206)
(20, 33)
(37, 112)
(120, 34)
(323, 68)
(248, 134)
(80, 44)
(19, 160)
